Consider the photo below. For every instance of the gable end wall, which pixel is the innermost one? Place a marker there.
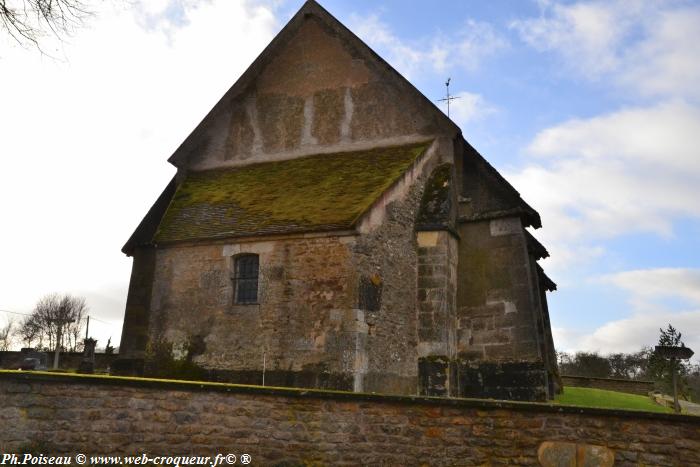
(318, 93)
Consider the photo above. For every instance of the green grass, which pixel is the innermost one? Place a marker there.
(589, 397)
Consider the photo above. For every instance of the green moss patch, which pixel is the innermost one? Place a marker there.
(320, 192)
(435, 204)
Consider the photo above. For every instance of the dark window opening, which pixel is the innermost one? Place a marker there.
(245, 279)
(370, 293)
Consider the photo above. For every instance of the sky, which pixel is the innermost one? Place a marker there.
(591, 109)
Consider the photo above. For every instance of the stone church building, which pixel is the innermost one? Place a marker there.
(330, 227)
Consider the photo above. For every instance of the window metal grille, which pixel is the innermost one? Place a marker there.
(245, 279)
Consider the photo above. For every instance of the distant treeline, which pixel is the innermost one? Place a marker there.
(642, 365)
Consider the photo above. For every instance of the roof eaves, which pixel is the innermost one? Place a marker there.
(143, 235)
(535, 247)
(546, 282)
(260, 236)
(498, 214)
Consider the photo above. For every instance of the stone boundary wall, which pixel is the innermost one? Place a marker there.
(293, 427)
(621, 385)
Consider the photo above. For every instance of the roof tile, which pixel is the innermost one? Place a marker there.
(314, 193)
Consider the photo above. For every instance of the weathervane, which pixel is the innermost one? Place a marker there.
(448, 98)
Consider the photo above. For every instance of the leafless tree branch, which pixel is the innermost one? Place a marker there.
(28, 21)
(6, 333)
(53, 315)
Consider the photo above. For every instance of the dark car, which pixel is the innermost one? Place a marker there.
(32, 364)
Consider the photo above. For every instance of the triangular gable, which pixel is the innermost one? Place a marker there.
(315, 88)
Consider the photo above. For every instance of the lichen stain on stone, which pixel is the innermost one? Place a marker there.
(435, 204)
(281, 118)
(239, 143)
(476, 285)
(329, 105)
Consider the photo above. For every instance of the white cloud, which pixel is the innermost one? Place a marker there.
(85, 140)
(646, 291)
(667, 60)
(647, 47)
(622, 172)
(642, 329)
(648, 284)
(476, 41)
(464, 51)
(635, 170)
(469, 107)
(628, 171)
(406, 58)
(586, 34)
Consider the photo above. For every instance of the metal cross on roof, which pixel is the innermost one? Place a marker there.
(449, 98)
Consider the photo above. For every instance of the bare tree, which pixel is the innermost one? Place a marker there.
(29, 331)
(6, 334)
(26, 21)
(53, 316)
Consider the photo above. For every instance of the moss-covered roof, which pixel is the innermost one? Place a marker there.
(319, 192)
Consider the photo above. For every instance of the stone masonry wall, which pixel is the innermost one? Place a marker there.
(303, 329)
(621, 385)
(495, 305)
(497, 335)
(311, 322)
(437, 286)
(386, 258)
(540, 312)
(136, 318)
(284, 427)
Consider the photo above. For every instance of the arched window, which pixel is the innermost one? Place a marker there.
(245, 279)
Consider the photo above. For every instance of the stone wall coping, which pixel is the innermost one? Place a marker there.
(181, 385)
(598, 378)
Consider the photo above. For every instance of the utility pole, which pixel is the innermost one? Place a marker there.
(59, 334)
(264, 365)
(87, 327)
